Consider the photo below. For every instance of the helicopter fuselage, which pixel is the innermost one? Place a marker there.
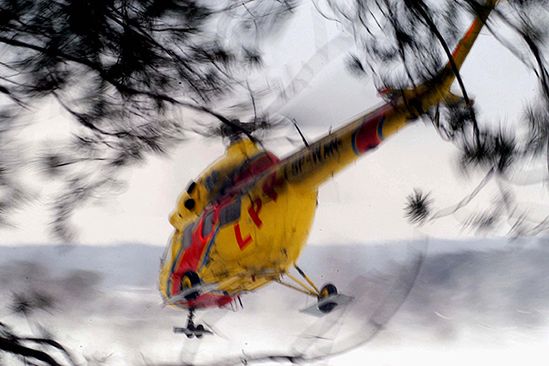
(247, 237)
(245, 220)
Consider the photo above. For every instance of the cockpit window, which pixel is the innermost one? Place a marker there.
(230, 212)
(207, 225)
(191, 187)
(187, 237)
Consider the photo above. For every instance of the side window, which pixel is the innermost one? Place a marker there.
(207, 225)
(230, 212)
(191, 187)
(187, 238)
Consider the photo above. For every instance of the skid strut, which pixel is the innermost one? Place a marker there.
(190, 323)
(309, 281)
(327, 296)
(308, 287)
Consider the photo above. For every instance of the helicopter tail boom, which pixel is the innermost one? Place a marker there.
(319, 161)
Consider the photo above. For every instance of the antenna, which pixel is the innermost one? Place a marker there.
(300, 133)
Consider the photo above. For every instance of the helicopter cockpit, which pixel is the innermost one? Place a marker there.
(241, 158)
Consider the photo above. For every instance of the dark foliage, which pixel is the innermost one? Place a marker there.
(37, 349)
(123, 71)
(404, 43)
(26, 303)
(355, 66)
(33, 350)
(418, 207)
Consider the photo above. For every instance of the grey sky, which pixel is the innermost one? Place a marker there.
(328, 96)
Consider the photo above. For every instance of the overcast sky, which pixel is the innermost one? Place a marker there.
(372, 191)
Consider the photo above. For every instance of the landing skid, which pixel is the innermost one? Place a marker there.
(197, 332)
(327, 296)
(192, 330)
(327, 304)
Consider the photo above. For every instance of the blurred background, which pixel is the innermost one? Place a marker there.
(110, 108)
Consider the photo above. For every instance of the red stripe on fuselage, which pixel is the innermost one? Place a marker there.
(189, 259)
(206, 300)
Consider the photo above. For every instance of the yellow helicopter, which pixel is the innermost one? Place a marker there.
(244, 221)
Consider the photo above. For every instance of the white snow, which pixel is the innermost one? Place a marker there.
(472, 302)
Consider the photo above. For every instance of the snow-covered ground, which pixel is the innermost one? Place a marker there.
(474, 301)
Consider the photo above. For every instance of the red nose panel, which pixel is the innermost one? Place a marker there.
(207, 300)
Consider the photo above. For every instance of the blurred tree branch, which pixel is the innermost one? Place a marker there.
(32, 350)
(123, 71)
(397, 38)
